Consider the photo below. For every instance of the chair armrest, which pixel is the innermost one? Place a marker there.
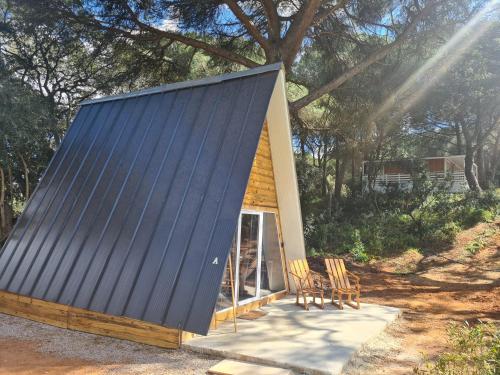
(354, 277)
(301, 279)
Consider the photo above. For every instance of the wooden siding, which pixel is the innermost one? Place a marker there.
(436, 165)
(261, 190)
(76, 319)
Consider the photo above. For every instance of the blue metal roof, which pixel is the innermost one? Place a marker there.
(139, 201)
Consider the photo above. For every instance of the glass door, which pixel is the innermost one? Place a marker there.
(256, 260)
(249, 255)
(272, 278)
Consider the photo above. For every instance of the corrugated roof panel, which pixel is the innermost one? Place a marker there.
(141, 198)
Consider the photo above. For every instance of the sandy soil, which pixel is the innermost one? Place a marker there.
(451, 286)
(28, 347)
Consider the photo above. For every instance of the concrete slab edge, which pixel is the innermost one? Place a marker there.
(252, 359)
(267, 362)
(355, 355)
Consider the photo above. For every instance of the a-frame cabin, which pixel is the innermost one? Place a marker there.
(129, 231)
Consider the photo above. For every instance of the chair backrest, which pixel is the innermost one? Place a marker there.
(300, 270)
(337, 273)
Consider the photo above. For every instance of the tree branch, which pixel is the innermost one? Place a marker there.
(272, 19)
(188, 41)
(249, 25)
(295, 35)
(321, 16)
(208, 48)
(357, 19)
(359, 68)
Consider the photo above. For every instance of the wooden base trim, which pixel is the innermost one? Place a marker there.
(76, 319)
(228, 313)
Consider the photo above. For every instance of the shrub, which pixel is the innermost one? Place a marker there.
(358, 249)
(478, 207)
(378, 225)
(472, 216)
(486, 215)
(474, 246)
(474, 351)
(444, 235)
(480, 241)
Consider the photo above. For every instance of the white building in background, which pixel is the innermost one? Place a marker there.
(398, 173)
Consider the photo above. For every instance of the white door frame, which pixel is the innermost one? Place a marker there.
(260, 214)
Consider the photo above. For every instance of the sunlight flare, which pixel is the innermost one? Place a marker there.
(415, 87)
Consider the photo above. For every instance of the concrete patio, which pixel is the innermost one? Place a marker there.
(311, 342)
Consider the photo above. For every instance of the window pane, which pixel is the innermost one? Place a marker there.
(272, 279)
(249, 250)
(224, 299)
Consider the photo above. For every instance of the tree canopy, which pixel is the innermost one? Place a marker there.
(367, 80)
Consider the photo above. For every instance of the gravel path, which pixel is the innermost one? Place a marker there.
(102, 354)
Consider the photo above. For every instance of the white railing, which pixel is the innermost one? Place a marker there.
(457, 180)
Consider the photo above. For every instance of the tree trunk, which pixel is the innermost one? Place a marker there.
(493, 165)
(9, 187)
(3, 222)
(324, 182)
(458, 135)
(10, 180)
(481, 170)
(469, 169)
(26, 178)
(353, 171)
(339, 179)
(470, 176)
(302, 144)
(5, 209)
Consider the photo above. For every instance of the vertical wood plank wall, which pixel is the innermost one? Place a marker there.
(261, 189)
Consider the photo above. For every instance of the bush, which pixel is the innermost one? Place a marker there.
(358, 249)
(473, 216)
(474, 351)
(378, 225)
(474, 246)
(480, 241)
(444, 235)
(478, 207)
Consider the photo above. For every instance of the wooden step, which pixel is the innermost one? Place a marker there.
(230, 367)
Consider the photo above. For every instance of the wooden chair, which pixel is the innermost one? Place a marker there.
(307, 282)
(341, 282)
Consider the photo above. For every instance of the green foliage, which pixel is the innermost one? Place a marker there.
(358, 249)
(445, 235)
(26, 129)
(474, 246)
(474, 351)
(378, 225)
(479, 242)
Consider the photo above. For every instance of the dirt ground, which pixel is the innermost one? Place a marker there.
(451, 286)
(28, 347)
(435, 289)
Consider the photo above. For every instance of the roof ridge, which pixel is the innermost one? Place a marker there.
(186, 84)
